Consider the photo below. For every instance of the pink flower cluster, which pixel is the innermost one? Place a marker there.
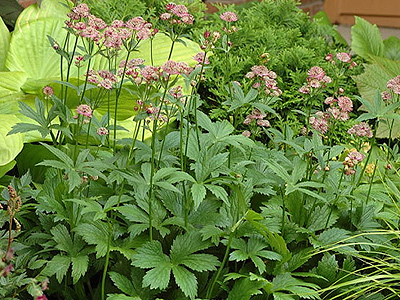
(201, 58)
(264, 77)
(135, 70)
(177, 14)
(103, 79)
(362, 129)
(316, 78)
(342, 57)
(257, 116)
(209, 40)
(84, 110)
(351, 160)
(229, 16)
(86, 25)
(394, 85)
(340, 107)
(320, 121)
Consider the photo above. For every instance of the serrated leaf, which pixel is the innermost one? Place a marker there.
(79, 267)
(366, 39)
(121, 297)
(157, 278)
(123, 283)
(218, 192)
(95, 234)
(321, 218)
(328, 267)
(392, 47)
(200, 262)
(186, 281)
(150, 255)
(199, 193)
(62, 238)
(59, 266)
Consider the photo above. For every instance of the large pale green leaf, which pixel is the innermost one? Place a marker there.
(366, 39)
(11, 83)
(376, 76)
(4, 169)
(5, 37)
(392, 48)
(30, 50)
(10, 146)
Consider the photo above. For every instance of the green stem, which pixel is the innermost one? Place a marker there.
(224, 260)
(103, 279)
(371, 182)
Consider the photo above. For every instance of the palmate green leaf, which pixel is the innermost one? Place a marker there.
(200, 262)
(121, 297)
(157, 278)
(63, 239)
(59, 266)
(219, 192)
(79, 267)
(123, 283)
(198, 193)
(61, 155)
(96, 234)
(328, 267)
(366, 39)
(10, 146)
(331, 236)
(244, 288)
(5, 38)
(321, 218)
(150, 255)
(186, 281)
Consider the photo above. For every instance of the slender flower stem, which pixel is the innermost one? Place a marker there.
(224, 260)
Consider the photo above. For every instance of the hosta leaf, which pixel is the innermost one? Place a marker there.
(79, 267)
(10, 145)
(186, 281)
(366, 39)
(5, 37)
(11, 82)
(7, 167)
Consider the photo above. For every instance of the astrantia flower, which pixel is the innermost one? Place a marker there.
(229, 16)
(316, 73)
(386, 95)
(394, 85)
(246, 133)
(180, 10)
(48, 91)
(41, 297)
(345, 103)
(84, 110)
(344, 57)
(200, 58)
(102, 131)
(362, 129)
(320, 122)
(263, 123)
